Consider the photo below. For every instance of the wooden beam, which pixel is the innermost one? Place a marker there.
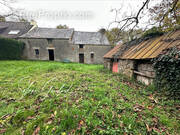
(142, 74)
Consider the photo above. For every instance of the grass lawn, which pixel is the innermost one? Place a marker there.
(56, 98)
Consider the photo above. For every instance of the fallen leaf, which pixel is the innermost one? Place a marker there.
(138, 108)
(157, 130)
(150, 107)
(81, 122)
(148, 129)
(36, 131)
(119, 116)
(55, 113)
(30, 117)
(152, 98)
(155, 119)
(23, 132)
(49, 121)
(2, 131)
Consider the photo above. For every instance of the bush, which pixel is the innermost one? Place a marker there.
(168, 72)
(10, 49)
(153, 32)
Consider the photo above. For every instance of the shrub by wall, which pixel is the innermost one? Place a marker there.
(10, 49)
(167, 68)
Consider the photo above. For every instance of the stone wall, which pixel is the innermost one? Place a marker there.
(141, 70)
(108, 64)
(98, 50)
(64, 50)
(126, 67)
(147, 73)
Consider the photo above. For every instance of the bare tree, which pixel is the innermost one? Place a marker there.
(7, 10)
(133, 20)
(159, 14)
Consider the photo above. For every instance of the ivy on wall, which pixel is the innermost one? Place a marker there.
(10, 49)
(167, 69)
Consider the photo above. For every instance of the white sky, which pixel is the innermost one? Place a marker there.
(97, 11)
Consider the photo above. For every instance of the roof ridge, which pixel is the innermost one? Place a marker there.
(13, 22)
(54, 28)
(87, 31)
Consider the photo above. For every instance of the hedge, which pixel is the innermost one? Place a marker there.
(11, 49)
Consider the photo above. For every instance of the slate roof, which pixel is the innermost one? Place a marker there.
(147, 49)
(49, 33)
(6, 27)
(92, 38)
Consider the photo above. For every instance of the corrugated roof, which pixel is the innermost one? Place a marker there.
(93, 38)
(112, 52)
(49, 33)
(152, 47)
(148, 49)
(6, 27)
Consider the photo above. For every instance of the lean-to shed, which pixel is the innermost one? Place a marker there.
(135, 59)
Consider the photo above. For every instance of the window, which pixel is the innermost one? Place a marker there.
(49, 41)
(81, 46)
(36, 52)
(14, 32)
(92, 57)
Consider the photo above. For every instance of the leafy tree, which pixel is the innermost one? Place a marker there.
(115, 35)
(167, 14)
(153, 32)
(62, 27)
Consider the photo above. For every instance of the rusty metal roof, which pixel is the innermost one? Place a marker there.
(148, 49)
(152, 47)
(111, 53)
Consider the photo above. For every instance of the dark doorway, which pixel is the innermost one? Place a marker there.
(81, 58)
(51, 54)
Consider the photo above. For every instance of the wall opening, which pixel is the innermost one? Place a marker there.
(81, 58)
(81, 46)
(49, 41)
(51, 54)
(92, 57)
(36, 52)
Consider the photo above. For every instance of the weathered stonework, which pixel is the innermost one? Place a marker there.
(108, 64)
(126, 67)
(147, 70)
(63, 50)
(141, 70)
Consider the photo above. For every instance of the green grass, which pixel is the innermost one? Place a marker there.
(52, 98)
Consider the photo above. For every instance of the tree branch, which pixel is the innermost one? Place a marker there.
(175, 2)
(128, 21)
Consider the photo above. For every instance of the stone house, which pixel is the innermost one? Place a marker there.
(135, 59)
(65, 45)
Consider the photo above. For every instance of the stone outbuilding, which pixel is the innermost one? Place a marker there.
(135, 59)
(65, 45)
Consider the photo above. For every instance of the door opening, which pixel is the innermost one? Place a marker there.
(51, 54)
(81, 58)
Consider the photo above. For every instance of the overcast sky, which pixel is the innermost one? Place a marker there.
(84, 15)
